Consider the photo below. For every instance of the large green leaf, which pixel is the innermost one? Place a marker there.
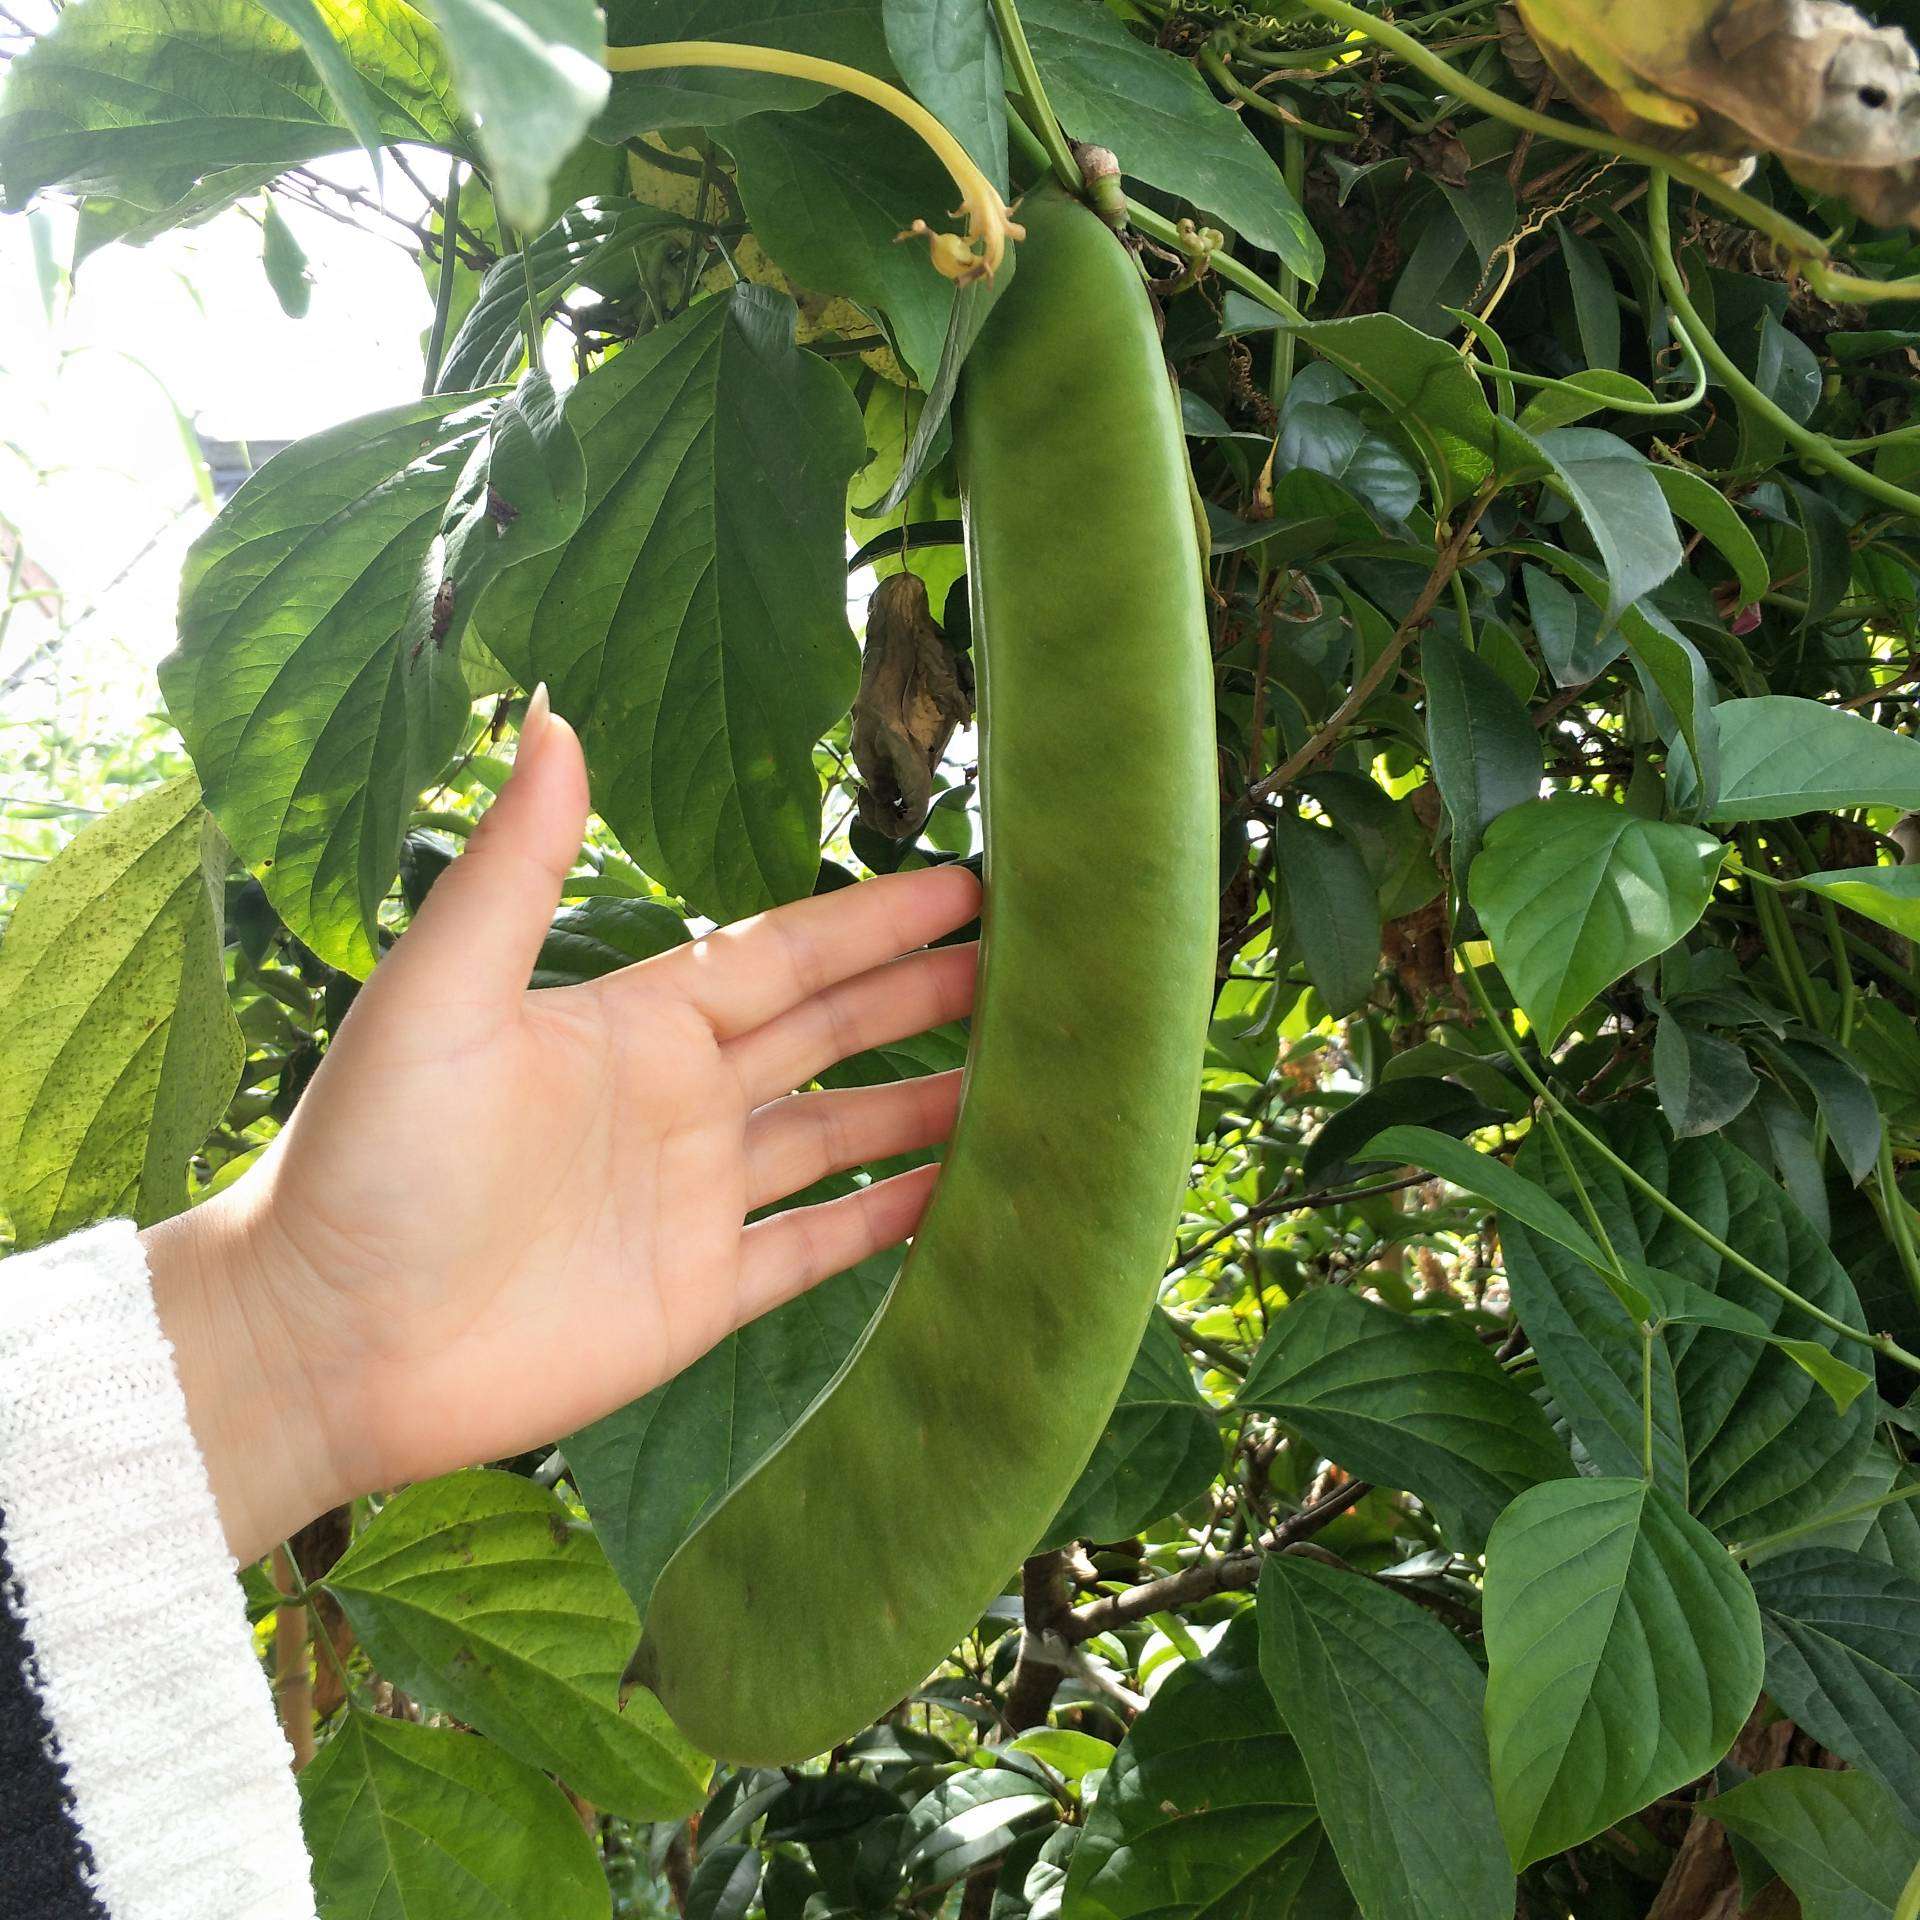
(118, 1049)
(1485, 752)
(1161, 1448)
(695, 628)
(533, 74)
(1843, 1657)
(1207, 1811)
(1384, 1704)
(949, 55)
(1623, 1656)
(1617, 495)
(521, 492)
(829, 192)
(1412, 1401)
(1575, 891)
(1743, 1431)
(140, 99)
(312, 726)
(1334, 907)
(849, 31)
(1781, 756)
(419, 1823)
(1841, 1841)
(601, 935)
(649, 1472)
(1889, 895)
(481, 1595)
(1430, 396)
(597, 241)
(1159, 117)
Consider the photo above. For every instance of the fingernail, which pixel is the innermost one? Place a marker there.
(533, 728)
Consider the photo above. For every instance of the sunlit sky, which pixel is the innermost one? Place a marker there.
(92, 460)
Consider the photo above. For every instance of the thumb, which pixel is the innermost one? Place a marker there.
(481, 928)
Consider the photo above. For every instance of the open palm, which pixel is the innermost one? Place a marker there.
(498, 1214)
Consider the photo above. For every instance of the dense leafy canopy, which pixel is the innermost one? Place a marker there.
(1514, 1492)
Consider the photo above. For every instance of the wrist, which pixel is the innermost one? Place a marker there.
(250, 1396)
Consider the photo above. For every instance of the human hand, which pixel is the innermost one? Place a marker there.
(498, 1214)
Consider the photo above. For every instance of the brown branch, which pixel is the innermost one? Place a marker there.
(1225, 1573)
(1037, 1673)
(1449, 561)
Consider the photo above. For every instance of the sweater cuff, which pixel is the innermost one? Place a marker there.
(156, 1710)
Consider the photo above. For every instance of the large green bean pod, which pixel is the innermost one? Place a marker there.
(860, 1552)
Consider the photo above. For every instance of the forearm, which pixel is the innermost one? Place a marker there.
(248, 1397)
(143, 1771)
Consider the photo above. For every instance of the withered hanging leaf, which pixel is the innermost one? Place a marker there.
(910, 700)
(1813, 81)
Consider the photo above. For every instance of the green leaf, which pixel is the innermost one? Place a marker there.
(1740, 1422)
(522, 492)
(1491, 1180)
(717, 454)
(312, 729)
(533, 73)
(1847, 1106)
(1843, 1657)
(1616, 494)
(334, 65)
(1576, 891)
(1163, 121)
(285, 262)
(1320, 438)
(601, 935)
(1840, 1841)
(139, 100)
(1336, 912)
(481, 1595)
(1668, 663)
(1160, 1449)
(949, 55)
(1703, 1079)
(650, 1472)
(1596, 308)
(1623, 1656)
(605, 240)
(829, 192)
(1407, 1401)
(967, 1820)
(118, 1049)
(1702, 505)
(1431, 396)
(1207, 1811)
(1889, 896)
(723, 1884)
(419, 1823)
(1781, 756)
(1596, 389)
(712, 98)
(1485, 752)
(1380, 1696)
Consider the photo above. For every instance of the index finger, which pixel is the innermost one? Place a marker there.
(742, 976)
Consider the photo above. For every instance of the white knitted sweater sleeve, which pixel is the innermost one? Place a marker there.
(175, 1765)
